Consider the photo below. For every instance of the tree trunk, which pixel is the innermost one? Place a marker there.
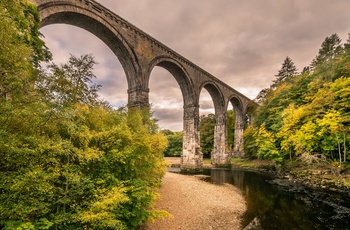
(339, 150)
(290, 153)
(344, 141)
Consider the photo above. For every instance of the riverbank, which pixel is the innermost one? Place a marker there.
(318, 175)
(322, 175)
(196, 204)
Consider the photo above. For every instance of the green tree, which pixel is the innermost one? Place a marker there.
(207, 126)
(15, 55)
(341, 100)
(262, 97)
(231, 119)
(175, 140)
(292, 121)
(306, 140)
(344, 64)
(250, 142)
(287, 71)
(331, 47)
(266, 145)
(71, 82)
(325, 61)
(332, 129)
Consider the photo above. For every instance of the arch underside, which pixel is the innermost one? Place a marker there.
(108, 35)
(236, 103)
(180, 75)
(216, 97)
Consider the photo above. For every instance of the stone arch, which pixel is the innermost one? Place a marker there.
(239, 125)
(191, 156)
(68, 12)
(236, 103)
(179, 73)
(216, 95)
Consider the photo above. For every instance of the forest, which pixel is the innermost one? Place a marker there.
(305, 115)
(68, 159)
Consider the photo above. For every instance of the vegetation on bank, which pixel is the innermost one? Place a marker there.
(303, 118)
(68, 160)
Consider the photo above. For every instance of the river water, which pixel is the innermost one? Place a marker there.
(272, 206)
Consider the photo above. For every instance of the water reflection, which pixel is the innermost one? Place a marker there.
(272, 207)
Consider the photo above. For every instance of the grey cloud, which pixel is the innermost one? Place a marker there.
(169, 118)
(206, 105)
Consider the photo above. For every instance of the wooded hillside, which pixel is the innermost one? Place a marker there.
(305, 115)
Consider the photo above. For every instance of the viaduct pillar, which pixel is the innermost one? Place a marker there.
(220, 155)
(238, 150)
(138, 97)
(191, 156)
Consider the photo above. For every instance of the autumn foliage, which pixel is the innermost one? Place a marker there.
(68, 160)
(306, 116)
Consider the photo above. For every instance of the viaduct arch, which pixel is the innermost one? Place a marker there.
(138, 54)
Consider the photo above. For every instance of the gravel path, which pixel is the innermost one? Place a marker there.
(198, 205)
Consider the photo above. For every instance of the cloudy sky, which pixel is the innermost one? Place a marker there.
(243, 43)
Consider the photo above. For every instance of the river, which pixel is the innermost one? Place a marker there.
(272, 206)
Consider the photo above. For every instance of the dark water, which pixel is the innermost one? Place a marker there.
(271, 206)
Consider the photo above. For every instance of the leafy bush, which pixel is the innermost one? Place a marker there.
(68, 160)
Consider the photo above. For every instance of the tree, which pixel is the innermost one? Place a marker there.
(231, 121)
(20, 28)
(72, 82)
(287, 71)
(332, 128)
(250, 142)
(175, 140)
(292, 121)
(207, 125)
(15, 66)
(262, 97)
(344, 65)
(330, 48)
(324, 62)
(266, 145)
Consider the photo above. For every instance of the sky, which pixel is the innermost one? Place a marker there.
(243, 43)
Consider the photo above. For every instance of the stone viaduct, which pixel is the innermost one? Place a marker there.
(138, 54)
